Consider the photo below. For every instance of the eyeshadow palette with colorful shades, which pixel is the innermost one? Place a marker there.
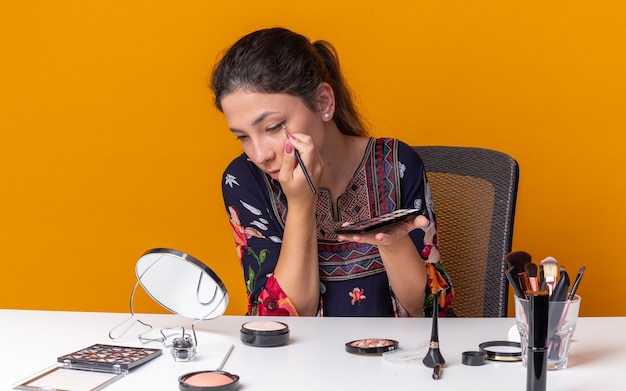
(379, 222)
(101, 356)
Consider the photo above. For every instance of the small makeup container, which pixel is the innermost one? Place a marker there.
(264, 333)
(473, 358)
(208, 381)
(374, 346)
(183, 349)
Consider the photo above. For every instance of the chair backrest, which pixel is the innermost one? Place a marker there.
(474, 191)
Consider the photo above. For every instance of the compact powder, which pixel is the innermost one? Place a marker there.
(371, 346)
(264, 333)
(209, 381)
(264, 325)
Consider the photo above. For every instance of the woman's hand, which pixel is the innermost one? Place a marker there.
(292, 177)
(386, 236)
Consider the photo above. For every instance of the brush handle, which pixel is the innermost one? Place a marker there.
(524, 282)
(305, 172)
(581, 271)
(561, 288)
(517, 289)
(434, 357)
(434, 334)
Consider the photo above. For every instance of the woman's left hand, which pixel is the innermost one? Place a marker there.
(386, 236)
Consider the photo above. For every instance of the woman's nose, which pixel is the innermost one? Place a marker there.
(262, 152)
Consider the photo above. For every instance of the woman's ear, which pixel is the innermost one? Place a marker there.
(326, 101)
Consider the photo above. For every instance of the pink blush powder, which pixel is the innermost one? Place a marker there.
(208, 379)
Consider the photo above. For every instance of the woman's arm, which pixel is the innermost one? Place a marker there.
(297, 269)
(258, 234)
(279, 261)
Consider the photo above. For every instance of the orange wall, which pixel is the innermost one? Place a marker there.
(111, 146)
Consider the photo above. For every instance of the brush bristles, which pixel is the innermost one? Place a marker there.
(550, 268)
(531, 269)
(517, 260)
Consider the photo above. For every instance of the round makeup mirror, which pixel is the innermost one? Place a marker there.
(182, 284)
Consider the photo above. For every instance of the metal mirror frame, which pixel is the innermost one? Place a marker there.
(188, 287)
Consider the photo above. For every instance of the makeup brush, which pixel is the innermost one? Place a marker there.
(517, 259)
(579, 277)
(524, 282)
(531, 270)
(557, 299)
(550, 269)
(514, 281)
(434, 357)
(562, 286)
(571, 296)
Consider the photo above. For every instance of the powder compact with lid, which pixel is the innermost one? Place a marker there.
(264, 333)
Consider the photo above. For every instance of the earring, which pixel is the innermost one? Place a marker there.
(326, 116)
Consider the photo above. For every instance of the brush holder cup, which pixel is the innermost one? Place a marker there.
(562, 319)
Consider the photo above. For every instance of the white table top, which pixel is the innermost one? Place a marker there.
(315, 358)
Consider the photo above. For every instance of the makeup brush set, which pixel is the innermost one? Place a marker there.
(544, 297)
(525, 277)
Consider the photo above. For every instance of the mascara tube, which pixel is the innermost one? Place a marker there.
(537, 360)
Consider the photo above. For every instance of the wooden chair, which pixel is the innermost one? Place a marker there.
(474, 191)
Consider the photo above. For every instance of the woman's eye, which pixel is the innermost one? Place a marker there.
(241, 137)
(276, 127)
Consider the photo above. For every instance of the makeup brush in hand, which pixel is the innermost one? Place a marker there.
(550, 269)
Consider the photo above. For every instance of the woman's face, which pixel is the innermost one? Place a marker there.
(257, 120)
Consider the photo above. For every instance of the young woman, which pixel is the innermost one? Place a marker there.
(284, 96)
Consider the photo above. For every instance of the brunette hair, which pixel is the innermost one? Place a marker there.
(277, 60)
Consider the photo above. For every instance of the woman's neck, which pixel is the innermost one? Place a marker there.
(342, 156)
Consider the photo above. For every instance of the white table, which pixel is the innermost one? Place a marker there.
(315, 358)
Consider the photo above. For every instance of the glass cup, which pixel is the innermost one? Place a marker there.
(562, 319)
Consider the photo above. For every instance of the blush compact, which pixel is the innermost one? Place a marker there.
(264, 333)
(208, 381)
(371, 346)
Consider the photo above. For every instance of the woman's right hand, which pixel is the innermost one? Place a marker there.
(292, 177)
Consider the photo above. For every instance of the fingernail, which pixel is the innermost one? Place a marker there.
(288, 148)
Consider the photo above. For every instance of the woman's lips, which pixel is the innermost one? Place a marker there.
(274, 174)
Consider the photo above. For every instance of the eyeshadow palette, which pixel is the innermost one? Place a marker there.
(380, 221)
(102, 357)
(88, 369)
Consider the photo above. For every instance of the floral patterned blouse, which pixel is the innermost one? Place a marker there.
(353, 281)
